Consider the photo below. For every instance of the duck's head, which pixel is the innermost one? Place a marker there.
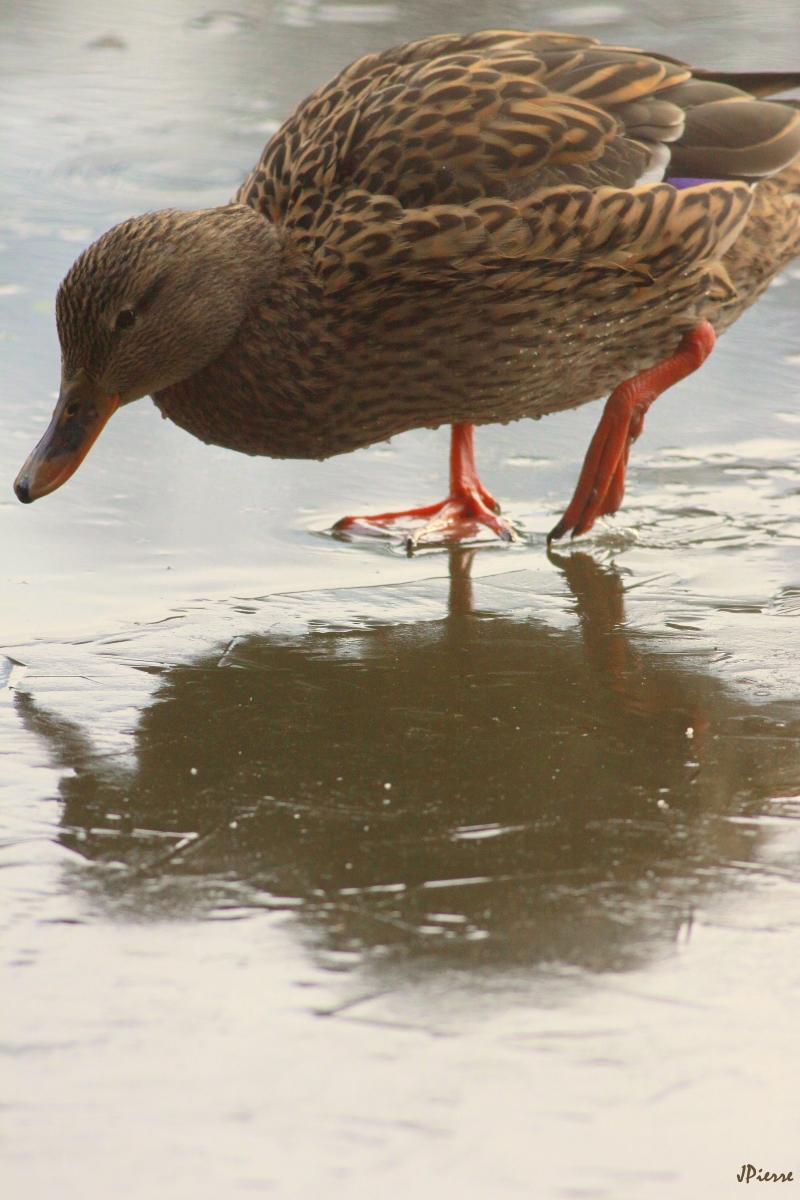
(150, 303)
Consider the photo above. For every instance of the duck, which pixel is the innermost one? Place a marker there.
(461, 230)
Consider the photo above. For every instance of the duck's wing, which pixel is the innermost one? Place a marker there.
(453, 119)
(645, 232)
(449, 120)
(517, 144)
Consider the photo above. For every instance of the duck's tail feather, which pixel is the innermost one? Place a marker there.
(756, 83)
(736, 139)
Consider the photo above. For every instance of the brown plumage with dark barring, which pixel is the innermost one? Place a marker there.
(461, 230)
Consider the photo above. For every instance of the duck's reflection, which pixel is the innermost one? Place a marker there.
(483, 783)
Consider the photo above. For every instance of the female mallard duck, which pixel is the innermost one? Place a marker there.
(460, 230)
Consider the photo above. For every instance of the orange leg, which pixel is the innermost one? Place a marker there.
(458, 517)
(601, 486)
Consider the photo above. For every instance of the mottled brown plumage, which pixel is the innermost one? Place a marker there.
(460, 230)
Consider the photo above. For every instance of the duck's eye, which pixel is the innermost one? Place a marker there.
(72, 408)
(125, 319)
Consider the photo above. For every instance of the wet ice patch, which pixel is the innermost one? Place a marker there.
(77, 233)
(477, 833)
(221, 23)
(266, 128)
(302, 13)
(587, 14)
(358, 14)
(526, 460)
(11, 674)
(95, 694)
(108, 41)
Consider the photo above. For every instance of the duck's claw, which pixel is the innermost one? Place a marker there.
(384, 521)
(601, 486)
(456, 519)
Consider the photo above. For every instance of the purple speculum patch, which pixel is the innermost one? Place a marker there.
(678, 181)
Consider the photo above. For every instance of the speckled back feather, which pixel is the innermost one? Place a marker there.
(474, 229)
(437, 156)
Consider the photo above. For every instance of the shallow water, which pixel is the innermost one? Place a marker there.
(334, 872)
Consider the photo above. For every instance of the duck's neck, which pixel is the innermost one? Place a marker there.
(260, 394)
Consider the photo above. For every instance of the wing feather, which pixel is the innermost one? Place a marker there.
(460, 153)
(649, 231)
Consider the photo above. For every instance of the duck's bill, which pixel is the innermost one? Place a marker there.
(78, 420)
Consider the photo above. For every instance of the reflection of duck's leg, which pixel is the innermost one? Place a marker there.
(601, 486)
(461, 602)
(600, 604)
(458, 517)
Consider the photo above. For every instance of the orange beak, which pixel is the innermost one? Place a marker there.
(78, 420)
